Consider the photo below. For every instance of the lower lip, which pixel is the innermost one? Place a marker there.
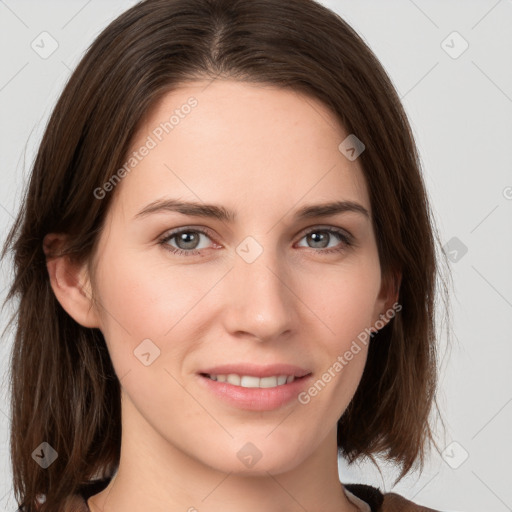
(256, 399)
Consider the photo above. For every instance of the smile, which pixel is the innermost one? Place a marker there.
(252, 387)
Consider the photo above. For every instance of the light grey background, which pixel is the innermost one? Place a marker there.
(460, 108)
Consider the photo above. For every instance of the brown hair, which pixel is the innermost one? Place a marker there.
(64, 388)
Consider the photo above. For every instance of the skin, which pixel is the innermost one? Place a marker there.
(263, 152)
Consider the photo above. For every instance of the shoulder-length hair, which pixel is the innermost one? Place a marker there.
(64, 388)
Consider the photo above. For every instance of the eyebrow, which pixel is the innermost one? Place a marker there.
(219, 212)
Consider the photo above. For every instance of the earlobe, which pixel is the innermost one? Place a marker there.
(71, 284)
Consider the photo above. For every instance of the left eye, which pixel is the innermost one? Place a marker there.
(321, 237)
(188, 240)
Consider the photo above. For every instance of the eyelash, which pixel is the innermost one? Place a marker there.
(346, 239)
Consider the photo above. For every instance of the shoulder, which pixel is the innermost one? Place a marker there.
(388, 502)
(395, 502)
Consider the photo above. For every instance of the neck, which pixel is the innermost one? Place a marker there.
(155, 475)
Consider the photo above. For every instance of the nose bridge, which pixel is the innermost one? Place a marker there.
(261, 303)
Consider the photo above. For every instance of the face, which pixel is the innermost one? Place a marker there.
(199, 304)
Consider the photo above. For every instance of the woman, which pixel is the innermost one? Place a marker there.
(226, 270)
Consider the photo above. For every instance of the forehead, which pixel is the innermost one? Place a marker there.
(252, 147)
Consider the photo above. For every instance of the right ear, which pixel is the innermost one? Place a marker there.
(70, 282)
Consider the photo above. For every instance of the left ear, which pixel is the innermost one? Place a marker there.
(388, 296)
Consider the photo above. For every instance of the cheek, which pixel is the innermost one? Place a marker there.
(346, 307)
(142, 298)
(131, 308)
(150, 299)
(344, 300)
(145, 311)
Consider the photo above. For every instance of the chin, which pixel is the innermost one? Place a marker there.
(255, 458)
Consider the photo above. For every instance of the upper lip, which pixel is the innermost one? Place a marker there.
(256, 370)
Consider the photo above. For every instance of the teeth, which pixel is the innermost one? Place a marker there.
(269, 382)
(233, 379)
(249, 381)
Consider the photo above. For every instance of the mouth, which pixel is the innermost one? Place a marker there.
(253, 387)
(252, 381)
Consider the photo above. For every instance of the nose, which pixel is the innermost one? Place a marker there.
(260, 302)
